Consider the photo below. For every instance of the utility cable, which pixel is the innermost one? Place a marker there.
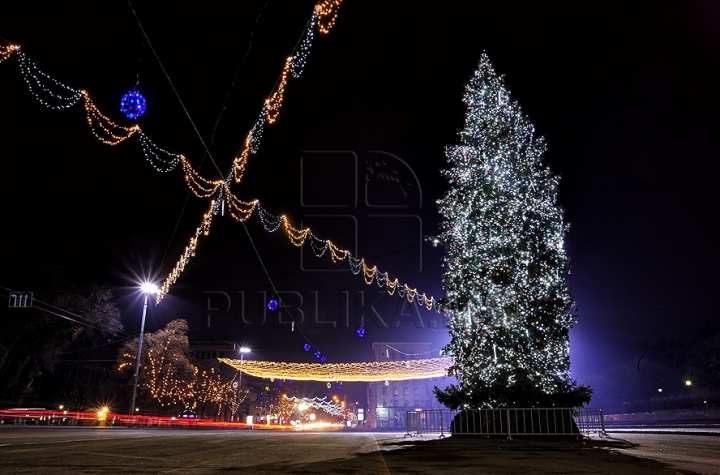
(272, 285)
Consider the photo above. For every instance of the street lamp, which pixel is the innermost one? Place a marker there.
(242, 350)
(146, 288)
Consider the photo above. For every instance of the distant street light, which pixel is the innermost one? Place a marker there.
(147, 288)
(242, 350)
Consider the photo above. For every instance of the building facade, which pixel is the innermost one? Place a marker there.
(388, 401)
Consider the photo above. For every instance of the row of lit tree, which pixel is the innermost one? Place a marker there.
(170, 381)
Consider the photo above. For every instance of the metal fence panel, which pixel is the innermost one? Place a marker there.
(434, 421)
(506, 422)
(590, 421)
(515, 421)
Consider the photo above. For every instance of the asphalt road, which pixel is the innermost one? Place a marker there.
(42, 450)
(693, 452)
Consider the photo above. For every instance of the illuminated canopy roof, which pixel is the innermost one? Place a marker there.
(344, 372)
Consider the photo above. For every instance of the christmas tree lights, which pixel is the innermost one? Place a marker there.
(505, 263)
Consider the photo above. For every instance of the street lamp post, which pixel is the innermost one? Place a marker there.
(147, 289)
(242, 350)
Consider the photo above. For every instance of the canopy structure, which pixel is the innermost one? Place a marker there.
(344, 372)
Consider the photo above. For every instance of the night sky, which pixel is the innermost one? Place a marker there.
(625, 95)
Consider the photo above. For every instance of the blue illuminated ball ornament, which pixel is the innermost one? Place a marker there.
(322, 359)
(317, 354)
(272, 304)
(306, 347)
(361, 332)
(133, 104)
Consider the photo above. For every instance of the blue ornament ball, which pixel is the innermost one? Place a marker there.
(133, 104)
(317, 354)
(272, 304)
(322, 359)
(361, 332)
(306, 347)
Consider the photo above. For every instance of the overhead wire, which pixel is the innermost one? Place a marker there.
(274, 289)
(232, 83)
(84, 323)
(206, 146)
(239, 210)
(182, 104)
(177, 94)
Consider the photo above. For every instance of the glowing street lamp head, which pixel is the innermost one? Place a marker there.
(149, 288)
(244, 349)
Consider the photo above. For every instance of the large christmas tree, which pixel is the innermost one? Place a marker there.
(505, 265)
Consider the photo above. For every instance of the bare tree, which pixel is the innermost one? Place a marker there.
(51, 351)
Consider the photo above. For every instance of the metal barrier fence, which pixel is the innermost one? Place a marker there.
(507, 422)
(515, 421)
(590, 421)
(435, 421)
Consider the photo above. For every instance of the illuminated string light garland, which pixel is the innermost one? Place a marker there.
(202, 230)
(48, 91)
(104, 129)
(7, 51)
(242, 210)
(324, 17)
(160, 159)
(344, 372)
(201, 187)
(327, 12)
(56, 95)
(319, 403)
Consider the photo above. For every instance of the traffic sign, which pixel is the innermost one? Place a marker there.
(20, 299)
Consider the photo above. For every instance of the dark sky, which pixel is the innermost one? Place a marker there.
(626, 96)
